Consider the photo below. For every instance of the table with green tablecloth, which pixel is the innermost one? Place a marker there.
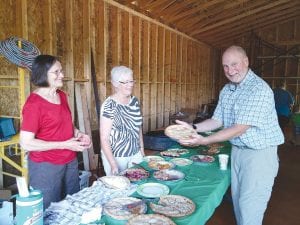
(204, 183)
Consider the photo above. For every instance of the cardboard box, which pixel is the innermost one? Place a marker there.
(5, 194)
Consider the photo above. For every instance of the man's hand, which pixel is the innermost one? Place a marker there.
(194, 140)
(183, 123)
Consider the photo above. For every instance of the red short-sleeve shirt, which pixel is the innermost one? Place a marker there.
(49, 122)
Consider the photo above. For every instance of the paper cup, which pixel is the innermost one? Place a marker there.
(223, 161)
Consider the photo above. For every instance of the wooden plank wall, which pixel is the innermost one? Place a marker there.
(173, 71)
(275, 55)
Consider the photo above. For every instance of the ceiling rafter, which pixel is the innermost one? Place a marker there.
(214, 21)
(253, 21)
(226, 39)
(238, 17)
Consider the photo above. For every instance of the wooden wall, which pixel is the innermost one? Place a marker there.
(173, 71)
(274, 54)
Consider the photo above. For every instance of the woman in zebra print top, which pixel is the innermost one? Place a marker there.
(121, 124)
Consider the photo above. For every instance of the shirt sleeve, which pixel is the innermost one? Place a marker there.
(107, 109)
(31, 117)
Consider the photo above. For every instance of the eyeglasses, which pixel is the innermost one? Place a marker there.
(127, 82)
(57, 72)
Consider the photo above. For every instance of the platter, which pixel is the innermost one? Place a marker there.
(216, 145)
(161, 165)
(152, 190)
(202, 158)
(115, 182)
(181, 161)
(173, 206)
(211, 151)
(168, 175)
(174, 152)
(178, 132)
(150, 219)
(124, 208)
(153, 158)
(135, 174)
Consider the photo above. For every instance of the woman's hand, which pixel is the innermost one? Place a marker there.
(85, 139)
(75, 145)
(114, 169)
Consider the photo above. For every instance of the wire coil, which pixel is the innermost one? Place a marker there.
(21, 56)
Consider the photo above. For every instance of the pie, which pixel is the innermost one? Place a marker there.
(150, 219)
(216, 145)
(168, 175)
(115, 182)
(203, 158)
(212, 151)
(160, 165)
(135, 174)
(173, 206)
(124, 208)
(178, 132)
(181, 161)
(153, 158)
(176, 152)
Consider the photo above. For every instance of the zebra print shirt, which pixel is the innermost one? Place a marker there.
(127, 122)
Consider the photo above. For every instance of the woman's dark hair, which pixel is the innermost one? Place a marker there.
(40, 68)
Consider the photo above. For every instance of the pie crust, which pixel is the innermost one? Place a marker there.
(178, 132)
(174, 206)
(117, 208)
(150, 219)
(135, 174)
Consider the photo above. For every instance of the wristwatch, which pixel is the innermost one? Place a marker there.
(194, 127)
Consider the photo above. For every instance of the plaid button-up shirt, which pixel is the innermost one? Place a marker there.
(250, 103)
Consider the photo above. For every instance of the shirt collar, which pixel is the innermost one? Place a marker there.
(248, 77)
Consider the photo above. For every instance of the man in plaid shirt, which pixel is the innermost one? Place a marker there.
(246, 110)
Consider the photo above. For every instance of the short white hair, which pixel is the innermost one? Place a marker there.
(117, 72)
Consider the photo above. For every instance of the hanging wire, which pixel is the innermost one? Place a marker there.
(21, 56)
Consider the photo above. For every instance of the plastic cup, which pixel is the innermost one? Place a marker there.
(223, 161)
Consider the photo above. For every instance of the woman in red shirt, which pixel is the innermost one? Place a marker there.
(48, 134)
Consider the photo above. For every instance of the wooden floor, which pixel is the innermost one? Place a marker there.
(284, 205)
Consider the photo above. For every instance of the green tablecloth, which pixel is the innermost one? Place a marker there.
(205, 184)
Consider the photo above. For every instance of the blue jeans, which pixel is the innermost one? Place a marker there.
(252, 178)
(55, 181)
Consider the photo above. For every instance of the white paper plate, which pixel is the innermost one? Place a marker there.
(152, 190)
(153, 158)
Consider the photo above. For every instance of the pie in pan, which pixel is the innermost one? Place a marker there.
(161, 165)
(178, 132)
(173, 206)
(174, 152)
(202, 158)
(135, 174)
(150, 219)
(115, 182)
(168, 175)
(124, 208)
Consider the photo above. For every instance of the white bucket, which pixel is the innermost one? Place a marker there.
(30, 209)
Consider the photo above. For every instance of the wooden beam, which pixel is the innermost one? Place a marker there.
(240, 30)
(236, 18)
(243, 32)
(253, 22)
(133, 12)
(89, 157)
(230, 9)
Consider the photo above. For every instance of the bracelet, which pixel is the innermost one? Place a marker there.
(194, 127)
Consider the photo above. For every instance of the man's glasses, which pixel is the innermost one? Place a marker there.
(127, 82)
(57, 72)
